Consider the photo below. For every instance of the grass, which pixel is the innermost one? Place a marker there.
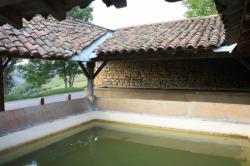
(57, 82)
(55, 86)
(44, 93)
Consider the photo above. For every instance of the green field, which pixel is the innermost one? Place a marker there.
(57, 83)
(55, 86)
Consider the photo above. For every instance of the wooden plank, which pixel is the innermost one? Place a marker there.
(2, 108)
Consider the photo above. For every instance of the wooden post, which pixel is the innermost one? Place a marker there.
(2, 108)
(90, 69)
(69, 97)
(42, 101)
(89, 73)
(91, 96)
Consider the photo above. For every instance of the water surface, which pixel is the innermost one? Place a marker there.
(119, 145)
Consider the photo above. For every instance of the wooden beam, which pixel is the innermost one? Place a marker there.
(2, 108)
(84, 70)
(163, 55)
(35, 56)
(100, 68)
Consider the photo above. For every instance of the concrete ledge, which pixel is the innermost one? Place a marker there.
(191, 125)
(23, 118)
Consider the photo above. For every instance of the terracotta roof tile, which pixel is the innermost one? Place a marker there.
(202, 32)
(48, 38)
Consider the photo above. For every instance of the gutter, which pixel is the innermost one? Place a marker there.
(88, 53)
(226, 49)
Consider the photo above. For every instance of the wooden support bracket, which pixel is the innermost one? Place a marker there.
(90, 74)
(84, 70)
(100, 69)
(87, 74)
(5, 63)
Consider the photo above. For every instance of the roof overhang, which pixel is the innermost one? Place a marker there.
(39, 40)
(13, 11)
(179, 54)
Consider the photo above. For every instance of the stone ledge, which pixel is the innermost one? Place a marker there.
(175, 95)
(227, 112)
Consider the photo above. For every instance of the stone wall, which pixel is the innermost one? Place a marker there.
(205, 74)
(14, 120)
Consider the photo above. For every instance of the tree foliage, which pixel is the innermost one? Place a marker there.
(67, 70)
(8, 73)
(82, 14)
(197, 8)
(37, 72)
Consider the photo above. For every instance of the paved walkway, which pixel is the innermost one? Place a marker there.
(12, 105)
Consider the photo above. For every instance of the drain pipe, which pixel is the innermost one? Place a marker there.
(227, 49)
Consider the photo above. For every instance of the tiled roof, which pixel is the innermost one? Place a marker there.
(202, 32)
(48, 38)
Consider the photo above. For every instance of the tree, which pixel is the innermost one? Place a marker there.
(67, 70)
(8, 73)
(82, 14)
(37, 72)
(197, 8)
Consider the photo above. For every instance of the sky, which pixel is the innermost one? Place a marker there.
(137, 12)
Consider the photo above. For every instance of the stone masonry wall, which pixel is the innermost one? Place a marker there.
(206, 74)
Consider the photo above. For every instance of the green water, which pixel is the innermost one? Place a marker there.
(106, 147)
